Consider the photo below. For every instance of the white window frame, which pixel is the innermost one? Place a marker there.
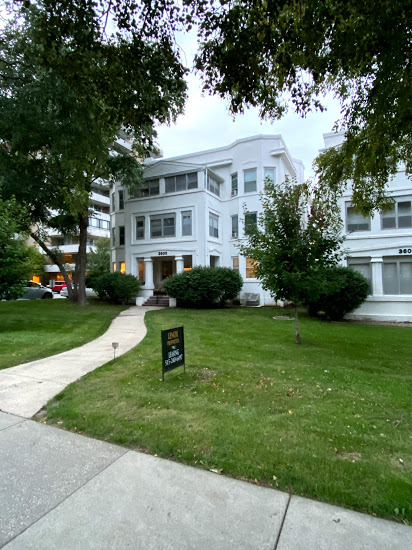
(187, 214)
(248, 214)
(394, 214)
(267, 169)
(213, 185)
(120, 196)
(365, 219)
(250, 268)
(162, 218)
(235, 226)
(122, 235)
(234, 184)
(398, 262)
(149, 188)
(137, 220)
(185, 182)
(213, 225)
(246, 183)
(362, 266)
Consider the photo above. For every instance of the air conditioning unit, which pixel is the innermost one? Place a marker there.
(234, 192)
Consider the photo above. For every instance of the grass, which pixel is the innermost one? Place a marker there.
(330, 419)
(33, 329)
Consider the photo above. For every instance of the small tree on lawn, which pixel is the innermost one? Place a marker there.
(293, 244)
(17, 260)
(98, 261)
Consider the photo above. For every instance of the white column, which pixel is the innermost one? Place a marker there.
(148, 274)
(377, 280)
(180, 264)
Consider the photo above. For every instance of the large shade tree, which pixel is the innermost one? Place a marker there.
(280, 54)
(73, 74)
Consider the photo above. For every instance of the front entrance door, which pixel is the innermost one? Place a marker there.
(163, 268)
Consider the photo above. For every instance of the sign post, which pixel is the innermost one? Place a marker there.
(173, 350)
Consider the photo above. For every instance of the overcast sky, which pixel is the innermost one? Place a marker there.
(207, 124)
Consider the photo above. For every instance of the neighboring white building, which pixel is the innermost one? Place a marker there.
(190, 211)
(380, 247)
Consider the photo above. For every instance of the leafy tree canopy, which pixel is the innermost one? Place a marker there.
(68, 87)
(274, 54)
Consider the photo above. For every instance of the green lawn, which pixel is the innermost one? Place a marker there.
(330, 419)
(32, 329)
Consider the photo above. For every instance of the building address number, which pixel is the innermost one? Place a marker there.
(405, 251)
(162, 253)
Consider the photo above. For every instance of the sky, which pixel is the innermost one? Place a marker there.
(207, 123)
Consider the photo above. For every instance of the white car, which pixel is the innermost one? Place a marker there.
(89, 292)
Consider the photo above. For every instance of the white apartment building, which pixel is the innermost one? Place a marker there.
(380, 247)
(99, 226)
(191, 211)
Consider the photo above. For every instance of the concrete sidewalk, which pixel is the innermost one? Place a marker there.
(24, 389)
(63, 490)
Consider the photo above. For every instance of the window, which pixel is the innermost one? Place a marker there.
(121, 235)
(234, 185)
(213, 225)
(363, 266)
(186, 223)
(100, 224)
(213, 185)
(250, 221)
(187, 263)
(235, 226)
(397, 277)
(235, 263)
(163, 226)
(181, 182)
(114, 267)
(148, 188)
(398, 217)
(122, 267)
(121, 199)
(140, 269)
(250, 268)
(355, 221)
(269, 174)
(249, 177)
(114, 236)
(140, 228)
(113, 202)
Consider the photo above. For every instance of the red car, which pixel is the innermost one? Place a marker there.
(58, 285)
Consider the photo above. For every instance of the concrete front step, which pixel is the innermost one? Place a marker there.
(162, 301)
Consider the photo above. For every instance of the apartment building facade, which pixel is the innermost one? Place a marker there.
(192, 210)
(380, 247)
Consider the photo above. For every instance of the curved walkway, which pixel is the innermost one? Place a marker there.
(24, 389)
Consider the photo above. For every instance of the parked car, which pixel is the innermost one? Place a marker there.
(36, 291)
(89, 292)
(58, 285)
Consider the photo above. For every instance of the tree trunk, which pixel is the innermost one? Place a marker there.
(298, 340)
(82, 260)
(55, 258)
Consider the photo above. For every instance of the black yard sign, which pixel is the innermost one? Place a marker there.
(173, 349)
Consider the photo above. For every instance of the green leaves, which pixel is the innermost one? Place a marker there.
(277, 55)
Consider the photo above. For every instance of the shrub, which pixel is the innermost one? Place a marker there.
(204, 286)
(344, 290)
(115, 287)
